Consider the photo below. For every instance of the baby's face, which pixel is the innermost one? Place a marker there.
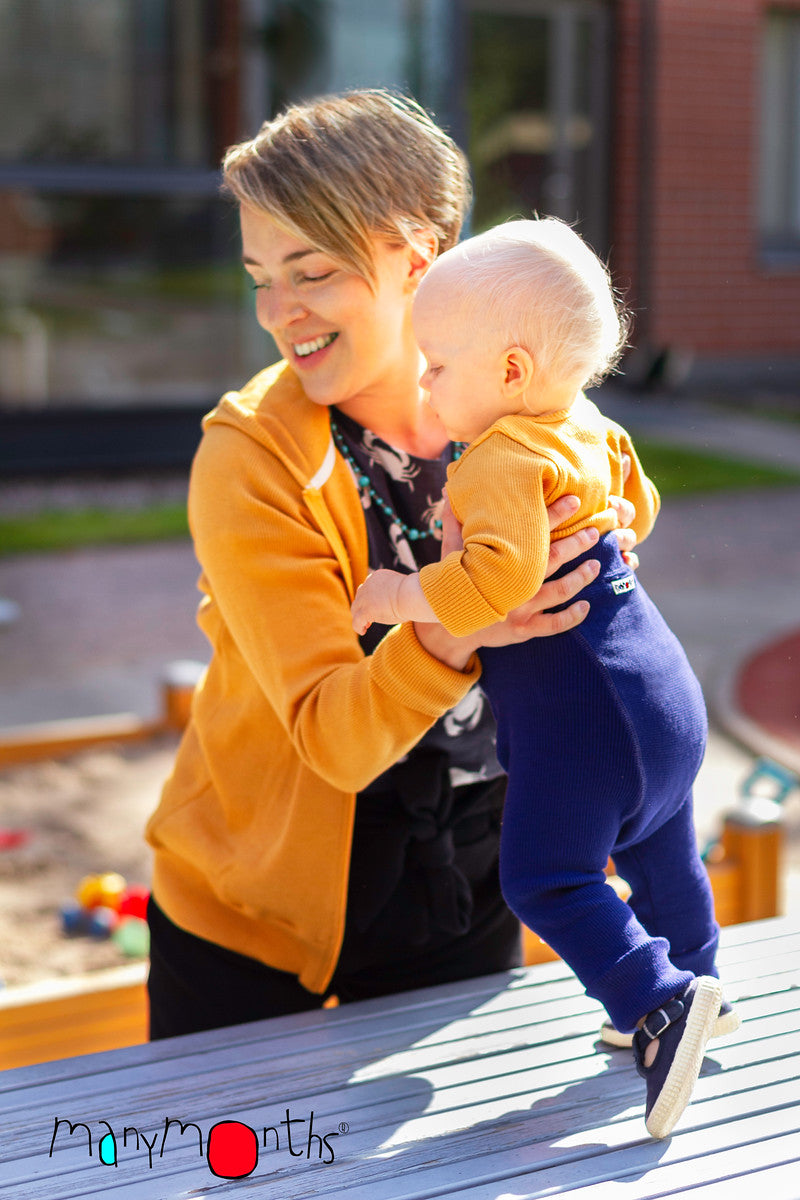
(463, 373)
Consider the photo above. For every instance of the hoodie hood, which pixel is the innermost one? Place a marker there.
(274, 411)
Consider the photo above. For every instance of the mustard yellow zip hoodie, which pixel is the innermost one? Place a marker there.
(252, 836)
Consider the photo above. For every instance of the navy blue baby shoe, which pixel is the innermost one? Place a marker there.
(682, 1026)
(728, 1021)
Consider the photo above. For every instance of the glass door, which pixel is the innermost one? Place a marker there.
(535, 79)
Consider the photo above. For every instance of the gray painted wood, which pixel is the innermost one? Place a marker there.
(492, 1089)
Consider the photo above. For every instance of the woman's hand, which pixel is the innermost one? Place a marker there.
(626, 515)
(626, 537)
(530, 619)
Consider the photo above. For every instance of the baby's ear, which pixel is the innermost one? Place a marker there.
(518, 370)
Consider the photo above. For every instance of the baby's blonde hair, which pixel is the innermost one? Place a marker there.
(339, 170)
(538, 285)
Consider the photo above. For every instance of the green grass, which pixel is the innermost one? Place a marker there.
(675, 470)
(678, 471)
(68, 530)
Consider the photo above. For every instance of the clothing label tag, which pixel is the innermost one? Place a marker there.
(623, 585)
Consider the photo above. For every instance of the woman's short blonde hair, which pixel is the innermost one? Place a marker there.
(537, 284)
(339, 170)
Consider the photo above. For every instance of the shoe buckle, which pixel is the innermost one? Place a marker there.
(661, 1018)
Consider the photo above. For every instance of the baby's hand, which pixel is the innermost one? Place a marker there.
(376, 600)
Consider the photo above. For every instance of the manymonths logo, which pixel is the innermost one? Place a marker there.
(232, 1149)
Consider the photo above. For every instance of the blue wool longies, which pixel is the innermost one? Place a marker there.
(602, 731)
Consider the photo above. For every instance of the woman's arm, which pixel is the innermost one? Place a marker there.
(389, 596)
(278, 616)
(278, 609)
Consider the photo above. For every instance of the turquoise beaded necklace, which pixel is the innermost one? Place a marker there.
(365, 485)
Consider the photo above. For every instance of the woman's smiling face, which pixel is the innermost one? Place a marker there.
(346, 340)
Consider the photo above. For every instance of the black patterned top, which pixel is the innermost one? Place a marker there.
(411, 488)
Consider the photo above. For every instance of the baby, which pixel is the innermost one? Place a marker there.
(601, 729)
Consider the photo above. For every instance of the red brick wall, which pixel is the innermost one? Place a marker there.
(626, 119)
(708, 290)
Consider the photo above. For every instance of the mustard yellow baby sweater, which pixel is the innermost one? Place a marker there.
(500, 489)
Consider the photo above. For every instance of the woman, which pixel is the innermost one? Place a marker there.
(331, 825)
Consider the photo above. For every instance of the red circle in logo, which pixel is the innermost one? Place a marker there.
(232, 1150)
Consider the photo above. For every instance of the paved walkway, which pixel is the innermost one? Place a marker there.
(715, 428)
(746, 631)
(97, 627)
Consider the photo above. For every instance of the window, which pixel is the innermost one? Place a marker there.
(536, 95)
(779, 176)
(119, 275)
(118, 282)
(109, 81)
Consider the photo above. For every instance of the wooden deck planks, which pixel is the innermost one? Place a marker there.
(494, 1088)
